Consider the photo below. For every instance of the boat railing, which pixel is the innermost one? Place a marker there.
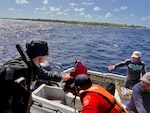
(100, 74)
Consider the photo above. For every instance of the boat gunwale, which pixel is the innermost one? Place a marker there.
(100, 74)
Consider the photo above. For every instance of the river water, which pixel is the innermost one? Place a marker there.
(96, 46)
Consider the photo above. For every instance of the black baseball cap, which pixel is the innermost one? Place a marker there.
(82, 80)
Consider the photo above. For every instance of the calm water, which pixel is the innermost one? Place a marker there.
(97, 46)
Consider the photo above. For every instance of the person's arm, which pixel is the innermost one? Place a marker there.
(51, 75)
(123, 63)
(48, 75)
(66, 77)
(138, 99)
(120, 64)
(143, 69)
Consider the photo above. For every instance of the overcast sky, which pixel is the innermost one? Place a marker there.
(131, 12)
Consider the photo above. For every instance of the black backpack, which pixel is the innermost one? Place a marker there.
(7, 70)
(2, 72)
(14, 97)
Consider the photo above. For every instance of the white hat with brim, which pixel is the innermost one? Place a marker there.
(146, 78)
(136, 54)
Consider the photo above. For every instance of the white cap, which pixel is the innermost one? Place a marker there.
(146, 77)
(136, 54)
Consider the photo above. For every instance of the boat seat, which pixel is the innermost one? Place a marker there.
(123, 92)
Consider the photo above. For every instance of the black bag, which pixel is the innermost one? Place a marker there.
(2, 72)
(111, 88)
(8, 69)
(13, 97)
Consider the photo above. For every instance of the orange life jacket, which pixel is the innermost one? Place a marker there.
(110, 98)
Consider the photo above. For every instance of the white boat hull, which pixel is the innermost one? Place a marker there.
(49, 99)
(52, 99)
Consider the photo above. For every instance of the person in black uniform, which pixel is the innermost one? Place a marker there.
(37, 50)
(15, 98)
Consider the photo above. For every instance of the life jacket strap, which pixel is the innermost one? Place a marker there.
(111, 107)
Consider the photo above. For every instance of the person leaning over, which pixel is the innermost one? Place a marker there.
(37, 50)
(94, 98)
(135, 68)
(140, 98)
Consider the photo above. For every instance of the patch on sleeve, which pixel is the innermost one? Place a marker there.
(86, 100)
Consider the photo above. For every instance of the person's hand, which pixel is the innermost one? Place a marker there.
(66, 77)
(111, 67)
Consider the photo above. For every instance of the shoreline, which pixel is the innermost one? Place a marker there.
(80, 22)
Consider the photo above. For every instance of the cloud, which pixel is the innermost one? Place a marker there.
(79, 9)
(73, 4)
(37, 9)
(54, 9)
(59, 13)
(82, 13)
(145, 18)
(116, 9)
(43, 8)
(45, 1)
(108, 15)
(40, 9)
(97, 8)
(22, 2)
(121, 8)
(100, 17)
(87, 3)
(88, 16)
(132, 14)
(11, 9)
(66, 10)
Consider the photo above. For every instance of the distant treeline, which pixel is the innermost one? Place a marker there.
(84, 23)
